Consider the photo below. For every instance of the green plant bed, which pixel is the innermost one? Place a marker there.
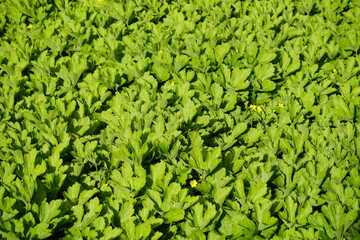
(189, 119)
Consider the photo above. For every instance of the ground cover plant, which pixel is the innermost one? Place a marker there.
(189, 119)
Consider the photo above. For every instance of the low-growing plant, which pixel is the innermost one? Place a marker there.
(200, 119)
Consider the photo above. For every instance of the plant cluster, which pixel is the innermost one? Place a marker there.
(189, 119)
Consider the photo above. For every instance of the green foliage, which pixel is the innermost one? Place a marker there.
(201, 119)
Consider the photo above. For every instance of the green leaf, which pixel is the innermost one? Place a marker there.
(171, 195)
(226, 73)
(111, 233)
(7, 206)
(267, 86)
(290, 212)
(342, 109)
(157, 172)
(239, 189)
(50, 210)
(93, 210)
(237, 225)
(155, 197)
(252, 136)
(196, 140)
(213, 159)
(161, 72)
(338, 219)
(303, 214)
(289, 63)
(127, 211)
(202, 217)
(189, 110)
(264, 72)
(257, 191)
(263, 214)
(85, 195)
(238, 78)
(337, 174)
(221, 51)
(217, 92)
(220, 194)
(238, 129)
(180, 62)
(174, 215)
(294, 109)
(308, 99)
(266, 57)
(39, 231)
(129, 228)
(142, 231)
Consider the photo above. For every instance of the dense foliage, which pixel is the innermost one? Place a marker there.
(189, 119)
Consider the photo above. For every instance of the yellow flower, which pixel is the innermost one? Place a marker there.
(246, 103)
(172, 83)
(258, 109)
(30, 26)
(161, 52)
(253, 107)
(280, 105)
(334, 70)
(193, 183)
